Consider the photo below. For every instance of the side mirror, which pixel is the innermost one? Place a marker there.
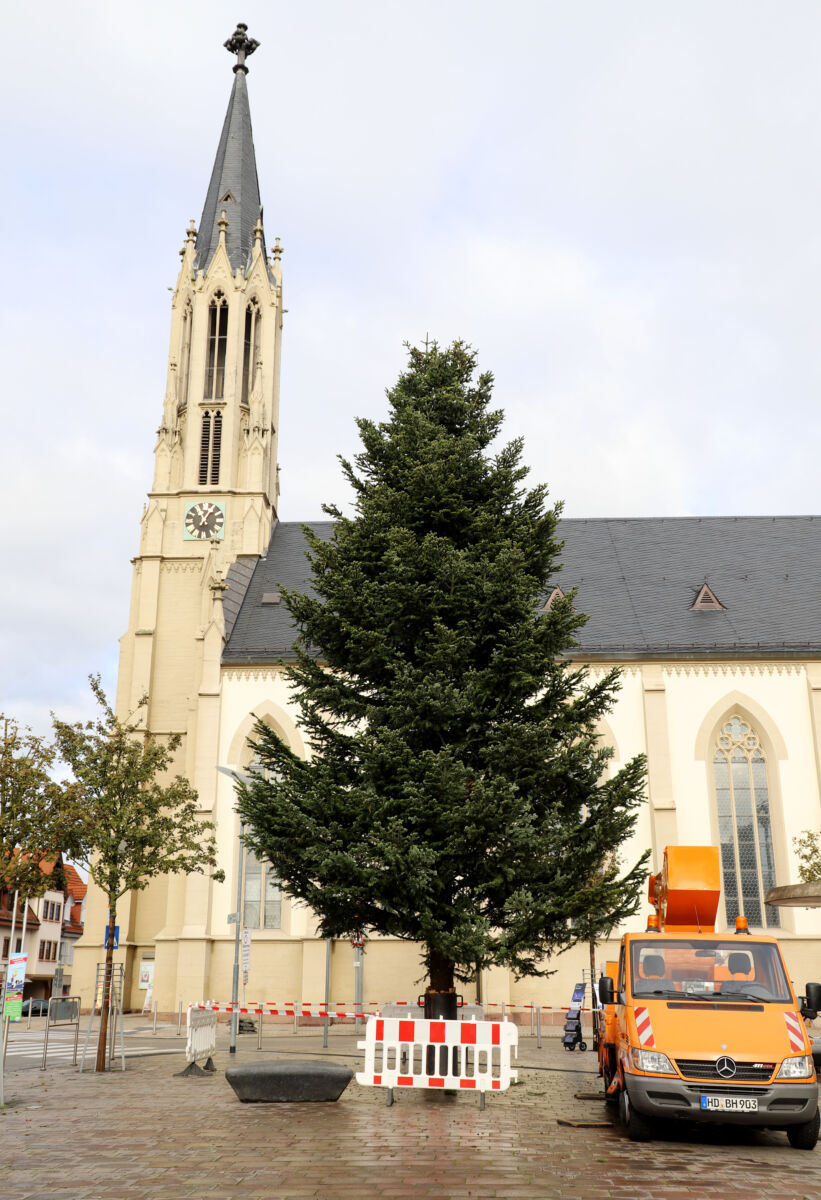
(606, 992)
(814, 996)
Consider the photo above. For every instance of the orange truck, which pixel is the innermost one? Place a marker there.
(702, 1026)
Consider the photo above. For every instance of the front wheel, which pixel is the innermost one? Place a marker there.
(805, 1135)
(637, 1126)
(582, 1045)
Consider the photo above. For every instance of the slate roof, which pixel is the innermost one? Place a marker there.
(637, 578)
(235, 171)
(237, 580)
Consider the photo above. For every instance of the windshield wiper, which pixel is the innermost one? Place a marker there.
(744, 996)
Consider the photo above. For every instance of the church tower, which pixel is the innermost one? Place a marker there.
(209, 514)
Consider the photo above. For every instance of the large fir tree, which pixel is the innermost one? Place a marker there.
(456, 793)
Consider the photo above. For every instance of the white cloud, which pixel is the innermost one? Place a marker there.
(616, 204)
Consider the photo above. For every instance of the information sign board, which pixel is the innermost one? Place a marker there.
(15, 979)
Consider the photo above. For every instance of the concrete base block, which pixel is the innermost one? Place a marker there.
(288, 1081)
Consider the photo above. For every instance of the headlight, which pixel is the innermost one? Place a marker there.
(796, 1068)
(652, 1060)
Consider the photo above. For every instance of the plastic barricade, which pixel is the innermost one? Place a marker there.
(452, 1055)
(201, 1039)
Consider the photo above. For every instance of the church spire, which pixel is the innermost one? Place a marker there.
(234, 184)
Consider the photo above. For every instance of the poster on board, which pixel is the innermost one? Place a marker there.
(15, 979)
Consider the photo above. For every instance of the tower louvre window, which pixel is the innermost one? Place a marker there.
(205, 446)
(250, 354)
(216, 441)
(185, 356)
(217, 344)
(210, 445)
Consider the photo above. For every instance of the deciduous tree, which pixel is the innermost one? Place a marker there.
(138, 822)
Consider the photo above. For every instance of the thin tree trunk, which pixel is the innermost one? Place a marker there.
(106, 999)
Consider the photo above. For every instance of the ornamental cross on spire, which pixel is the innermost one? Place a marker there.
(240, 44)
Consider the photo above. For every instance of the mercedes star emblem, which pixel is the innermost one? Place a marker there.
(725, 1067)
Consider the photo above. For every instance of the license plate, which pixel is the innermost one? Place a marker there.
(730, 1103)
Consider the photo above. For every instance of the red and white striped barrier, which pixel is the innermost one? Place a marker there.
(349, 1009)
(453, 1055)
(286, 1009)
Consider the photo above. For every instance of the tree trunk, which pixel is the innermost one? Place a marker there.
(107, 977)
(440, 972)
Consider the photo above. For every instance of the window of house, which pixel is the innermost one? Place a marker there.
(250, 354)
(48, 951)
(744, 823)
(6, 947)
(217, 343)
(263, 897)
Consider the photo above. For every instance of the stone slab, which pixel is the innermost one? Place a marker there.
(289, 1081)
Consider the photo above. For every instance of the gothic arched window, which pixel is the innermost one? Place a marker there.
(185, 356)
(262, 902)
(744, 825)
(210, 443)
(217, 343)
(250, 355)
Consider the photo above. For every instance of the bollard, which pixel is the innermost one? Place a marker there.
(179, 1019)
(296, 1020)
(539, 1028)
(155, 1018)
(532, 1008)
(259, 1028)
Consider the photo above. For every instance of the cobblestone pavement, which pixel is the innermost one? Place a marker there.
(145, 1135)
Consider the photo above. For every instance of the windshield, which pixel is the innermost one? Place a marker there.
(709, 970)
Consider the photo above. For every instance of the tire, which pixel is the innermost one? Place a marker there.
(637, 1127)
(805, 1135)
(582, 1045)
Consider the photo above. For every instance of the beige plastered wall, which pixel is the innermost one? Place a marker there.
(671, 711)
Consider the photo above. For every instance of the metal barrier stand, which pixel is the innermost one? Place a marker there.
(55, 1019)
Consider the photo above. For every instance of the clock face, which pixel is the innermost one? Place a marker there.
(204, 520)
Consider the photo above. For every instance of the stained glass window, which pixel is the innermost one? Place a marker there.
(744, 824)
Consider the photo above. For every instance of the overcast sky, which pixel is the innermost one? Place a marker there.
(616, 203)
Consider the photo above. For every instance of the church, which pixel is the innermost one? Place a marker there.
(715, 623)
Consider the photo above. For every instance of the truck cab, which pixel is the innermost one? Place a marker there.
(703, 1026)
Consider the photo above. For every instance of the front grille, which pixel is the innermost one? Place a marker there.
(717, 1089)
(699, 1068)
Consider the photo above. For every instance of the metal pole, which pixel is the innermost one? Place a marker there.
(539, 1027)
(45, 1039)
(232, 1043)
(357, 983)
(155, 1019)
(23, 948)
(326, 1022)
(179, 1019)
(259, 1028)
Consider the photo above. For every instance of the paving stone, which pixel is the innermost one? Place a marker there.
(144, 1135)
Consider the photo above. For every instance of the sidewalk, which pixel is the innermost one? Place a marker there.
(146, 1135)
